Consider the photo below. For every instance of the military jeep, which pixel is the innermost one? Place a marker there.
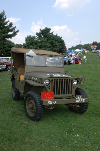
(40, 76)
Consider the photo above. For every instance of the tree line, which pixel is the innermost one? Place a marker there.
(86, 46)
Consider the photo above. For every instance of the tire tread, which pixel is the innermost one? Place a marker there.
(39, 112)
(83, 106)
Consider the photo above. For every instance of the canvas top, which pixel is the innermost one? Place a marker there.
(36, 51)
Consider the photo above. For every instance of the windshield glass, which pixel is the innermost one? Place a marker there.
(40, 60)
(4, 60)
(36, 60)
(54, 61)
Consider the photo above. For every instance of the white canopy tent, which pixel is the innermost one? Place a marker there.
(77, 50)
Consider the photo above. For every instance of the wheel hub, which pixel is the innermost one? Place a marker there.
(31, 108)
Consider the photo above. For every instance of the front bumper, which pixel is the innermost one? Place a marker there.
(64, 101)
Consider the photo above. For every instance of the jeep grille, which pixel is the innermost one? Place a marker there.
(61, 86)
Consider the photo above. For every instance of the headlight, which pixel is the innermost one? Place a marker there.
(46, 82)
(74, 81)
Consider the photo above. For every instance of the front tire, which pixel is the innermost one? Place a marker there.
(79, 108)
(33, 106)
(15, 92)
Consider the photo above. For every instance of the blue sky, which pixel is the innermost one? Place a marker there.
(76, 21)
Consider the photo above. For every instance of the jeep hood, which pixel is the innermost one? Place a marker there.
(44, 75)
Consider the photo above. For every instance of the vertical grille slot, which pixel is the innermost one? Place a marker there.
(62, 86)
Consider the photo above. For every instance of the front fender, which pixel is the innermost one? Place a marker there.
(80, 80)
(31, 82)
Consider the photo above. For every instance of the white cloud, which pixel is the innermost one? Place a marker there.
(57, 28)
(40, 22)
(13, 20)
(63, 31)
(36, 27)
(20, 37)
(74, 42)
(87, 41)
(70, 5)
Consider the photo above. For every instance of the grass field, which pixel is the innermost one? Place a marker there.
(59, 129)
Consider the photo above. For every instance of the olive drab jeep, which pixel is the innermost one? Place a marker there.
(40, 76)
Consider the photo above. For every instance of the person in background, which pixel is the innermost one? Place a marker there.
(98, 55)
(73, 59)
(84, 59)
(80, 59)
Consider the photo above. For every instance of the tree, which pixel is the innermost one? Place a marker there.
(45, 40)
(94, 43)
(97, 44)
(6, 31)
(51, 42)
(19, 45)
(8, 45)
(30, 42)
(85, 46)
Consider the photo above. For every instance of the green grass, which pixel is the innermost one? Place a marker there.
(59, 129)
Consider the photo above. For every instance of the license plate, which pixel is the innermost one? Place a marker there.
(47, 95)
(79, 98)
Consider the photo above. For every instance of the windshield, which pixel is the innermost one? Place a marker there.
(36, 60)
(4, 60)
(54, 61)
(40, 60)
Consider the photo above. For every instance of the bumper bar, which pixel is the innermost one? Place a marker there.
(64, 101)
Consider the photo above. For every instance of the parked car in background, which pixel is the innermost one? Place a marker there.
(2, 66)
(7, 63)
